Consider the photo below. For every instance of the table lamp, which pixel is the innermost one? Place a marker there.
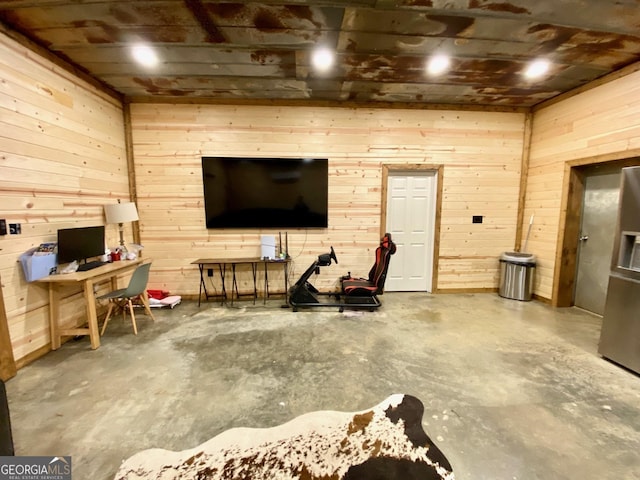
(120, 213)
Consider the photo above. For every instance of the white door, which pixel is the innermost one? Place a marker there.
(411, 212)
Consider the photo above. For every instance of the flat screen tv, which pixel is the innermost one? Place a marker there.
(265, 192)
(80, 243)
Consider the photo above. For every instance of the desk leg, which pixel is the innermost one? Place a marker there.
(54, 314)
(286, 283)
(234, 284)
(202, 284)
(114, 283)
(222, 268)
(92, 317)
(264, 294)
(254, 270)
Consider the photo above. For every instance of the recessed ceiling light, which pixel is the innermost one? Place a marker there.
(438, 64)
(537, 69)
(145, 55)
(322, 59)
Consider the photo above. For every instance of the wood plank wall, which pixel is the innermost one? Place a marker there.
(597, 125)
(62, 158)
(481, 153)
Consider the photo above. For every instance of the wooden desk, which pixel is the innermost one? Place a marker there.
(222, 266)
(87, 279)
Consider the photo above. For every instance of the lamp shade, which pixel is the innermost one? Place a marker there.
(121, 212)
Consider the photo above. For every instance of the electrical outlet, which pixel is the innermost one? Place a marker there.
(15, 229)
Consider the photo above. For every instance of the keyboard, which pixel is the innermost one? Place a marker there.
(90, 265)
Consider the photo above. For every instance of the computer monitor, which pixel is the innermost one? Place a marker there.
(80, 243)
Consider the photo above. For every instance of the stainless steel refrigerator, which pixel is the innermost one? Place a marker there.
(620, 335)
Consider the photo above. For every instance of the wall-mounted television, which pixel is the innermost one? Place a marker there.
(265, 192)
(80, 243)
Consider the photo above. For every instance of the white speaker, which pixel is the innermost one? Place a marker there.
(268, 246)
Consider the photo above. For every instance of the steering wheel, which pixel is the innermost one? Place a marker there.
(333, 255)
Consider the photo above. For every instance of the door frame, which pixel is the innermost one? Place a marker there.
(393, 168)
(564, 278)
(7, 362)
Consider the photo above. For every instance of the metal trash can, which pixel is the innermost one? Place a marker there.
(516, 275)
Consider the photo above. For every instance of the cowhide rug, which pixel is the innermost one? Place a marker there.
(385, 442)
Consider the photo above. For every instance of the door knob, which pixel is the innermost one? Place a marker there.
(584, 238)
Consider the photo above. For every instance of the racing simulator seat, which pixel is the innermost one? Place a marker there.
(354, 292)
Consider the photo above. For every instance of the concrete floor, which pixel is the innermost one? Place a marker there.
(512, 390)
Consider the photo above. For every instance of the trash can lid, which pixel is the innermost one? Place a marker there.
(518, 257)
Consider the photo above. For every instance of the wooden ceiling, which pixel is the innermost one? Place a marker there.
(261, 51)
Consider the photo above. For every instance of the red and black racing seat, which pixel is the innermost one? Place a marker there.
(374, 285)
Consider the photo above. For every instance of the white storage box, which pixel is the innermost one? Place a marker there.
(36, 265)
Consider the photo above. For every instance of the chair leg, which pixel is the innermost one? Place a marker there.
(133, 317)
(106, 319)
(147, 309)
